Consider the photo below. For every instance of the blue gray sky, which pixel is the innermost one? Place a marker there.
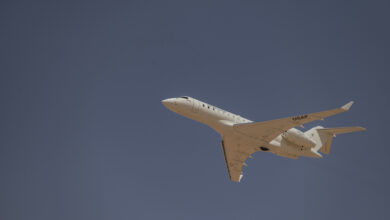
(84, 135)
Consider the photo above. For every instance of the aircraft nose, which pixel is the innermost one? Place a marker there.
(168, 102)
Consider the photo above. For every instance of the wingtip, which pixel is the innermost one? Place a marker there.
(239, 180)
(347, 106)
(362, 129)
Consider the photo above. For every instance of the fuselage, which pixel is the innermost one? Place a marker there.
(292, 143)
(203, 112)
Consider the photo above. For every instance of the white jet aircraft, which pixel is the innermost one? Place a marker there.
(242, 137)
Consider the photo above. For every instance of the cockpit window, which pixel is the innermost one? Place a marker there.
(184, 97)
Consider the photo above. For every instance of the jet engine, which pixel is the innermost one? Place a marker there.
(297, 137)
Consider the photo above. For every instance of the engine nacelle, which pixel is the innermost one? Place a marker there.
(297, 137)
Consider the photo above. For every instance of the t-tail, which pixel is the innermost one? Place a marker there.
(323, 136)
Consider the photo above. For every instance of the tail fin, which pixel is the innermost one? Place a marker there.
(324, 136)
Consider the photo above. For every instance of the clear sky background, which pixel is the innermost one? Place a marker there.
(84, 135)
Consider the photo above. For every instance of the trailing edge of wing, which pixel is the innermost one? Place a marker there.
(225, 157)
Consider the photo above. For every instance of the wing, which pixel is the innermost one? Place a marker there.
(269, 130)
(235, 155)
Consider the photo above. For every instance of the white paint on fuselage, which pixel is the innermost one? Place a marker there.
(201, 111)
(222, 122)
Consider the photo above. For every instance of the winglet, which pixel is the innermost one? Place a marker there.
(347, 106)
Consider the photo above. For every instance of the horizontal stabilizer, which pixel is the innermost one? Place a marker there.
(326, 135)
(341, 130)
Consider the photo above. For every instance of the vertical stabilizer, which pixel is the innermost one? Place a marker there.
(314, 135)
(326, 147)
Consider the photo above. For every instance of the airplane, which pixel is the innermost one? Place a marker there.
(242, 137)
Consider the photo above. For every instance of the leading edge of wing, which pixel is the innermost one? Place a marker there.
(225, 157)
(268, 130)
